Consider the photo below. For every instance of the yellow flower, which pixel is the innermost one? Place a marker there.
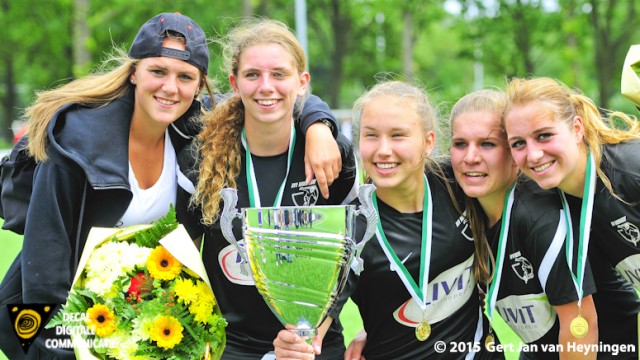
(166, 331)
(162, 265)
(101, 320)
(203, 306)
(186, 290)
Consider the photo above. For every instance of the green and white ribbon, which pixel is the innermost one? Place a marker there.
(494, 286)
(418, 291)
(586, 213)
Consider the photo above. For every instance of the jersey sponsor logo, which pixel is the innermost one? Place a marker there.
(447, 293)
(521, 266)
(530, 316)
(463, 223)
(629, 268)
(303, 194)
(627, 230)
(231, 265)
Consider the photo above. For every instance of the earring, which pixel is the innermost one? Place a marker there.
(131, 81)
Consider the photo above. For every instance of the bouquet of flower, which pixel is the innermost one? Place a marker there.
(142, 292)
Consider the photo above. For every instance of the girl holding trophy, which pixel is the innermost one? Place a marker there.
(526, 231)
(559, 139)
(251, 143)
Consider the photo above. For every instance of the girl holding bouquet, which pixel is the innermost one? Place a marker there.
(251, 143)
(106, 148)
(560, 140)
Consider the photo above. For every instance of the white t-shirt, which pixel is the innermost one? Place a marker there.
(148, 205)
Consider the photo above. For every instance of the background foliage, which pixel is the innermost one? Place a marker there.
(450, 46)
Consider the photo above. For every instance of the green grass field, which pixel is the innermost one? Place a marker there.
(349, 317)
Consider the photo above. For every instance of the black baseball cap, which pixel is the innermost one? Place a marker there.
(148, 41)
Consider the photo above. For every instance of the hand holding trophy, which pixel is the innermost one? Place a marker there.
(300, 256)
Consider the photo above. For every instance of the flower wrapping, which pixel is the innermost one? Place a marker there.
(142, 292)
(630, 80)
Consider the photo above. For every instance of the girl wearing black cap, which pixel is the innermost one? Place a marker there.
(250, 142)
(560, 139)
(106, 148)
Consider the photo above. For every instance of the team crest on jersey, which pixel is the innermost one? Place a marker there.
(463, 224)
(303, 194)
(231, 265)
(627, 230)
(522, 267)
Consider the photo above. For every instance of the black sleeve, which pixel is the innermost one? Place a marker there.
(315, 110)
(344, 188)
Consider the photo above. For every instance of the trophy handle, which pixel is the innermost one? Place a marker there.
(230, 197)
(366, 208)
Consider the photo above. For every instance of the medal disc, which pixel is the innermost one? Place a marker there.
(579, 327)
(423, 330)
(489, 342)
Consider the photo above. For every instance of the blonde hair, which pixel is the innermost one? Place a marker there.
(412, 94)
(219, 142)
(490, 101)
(109, 83)
(566, 104)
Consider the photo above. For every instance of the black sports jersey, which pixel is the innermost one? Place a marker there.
(252, 326)
(614, 245)
(616, 224)
(535, 276)
(389, 313)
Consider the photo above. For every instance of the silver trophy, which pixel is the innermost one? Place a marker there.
(300, 256)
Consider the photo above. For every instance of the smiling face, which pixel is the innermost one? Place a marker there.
(480, 155)
(268, 83)
(165, 87)
(546, 149)
(393, 143)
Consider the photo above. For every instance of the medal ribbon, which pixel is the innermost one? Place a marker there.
(586, 213)
(254, 194)
(494, 286)
(418, 292)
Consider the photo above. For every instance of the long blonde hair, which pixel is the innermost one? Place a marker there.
(566, 103)
(490, 101)
(219, 142)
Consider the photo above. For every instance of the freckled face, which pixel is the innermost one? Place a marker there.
(268, 83)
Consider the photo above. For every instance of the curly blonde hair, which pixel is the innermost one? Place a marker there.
(219, 144)
(566, 104)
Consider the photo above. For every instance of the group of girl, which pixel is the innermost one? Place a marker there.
(121, 153)
(511, 209)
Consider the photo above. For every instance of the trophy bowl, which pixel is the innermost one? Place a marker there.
(300, 256)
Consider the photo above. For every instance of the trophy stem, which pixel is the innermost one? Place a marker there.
(306, 334)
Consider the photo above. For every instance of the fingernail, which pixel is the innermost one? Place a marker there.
(317, 349)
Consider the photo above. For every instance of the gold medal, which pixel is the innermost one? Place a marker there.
(423, 330)
(579, 327)
(490, 342)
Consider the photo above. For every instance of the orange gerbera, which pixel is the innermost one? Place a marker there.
(162, 265)
(101, 320)
(166, 331)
